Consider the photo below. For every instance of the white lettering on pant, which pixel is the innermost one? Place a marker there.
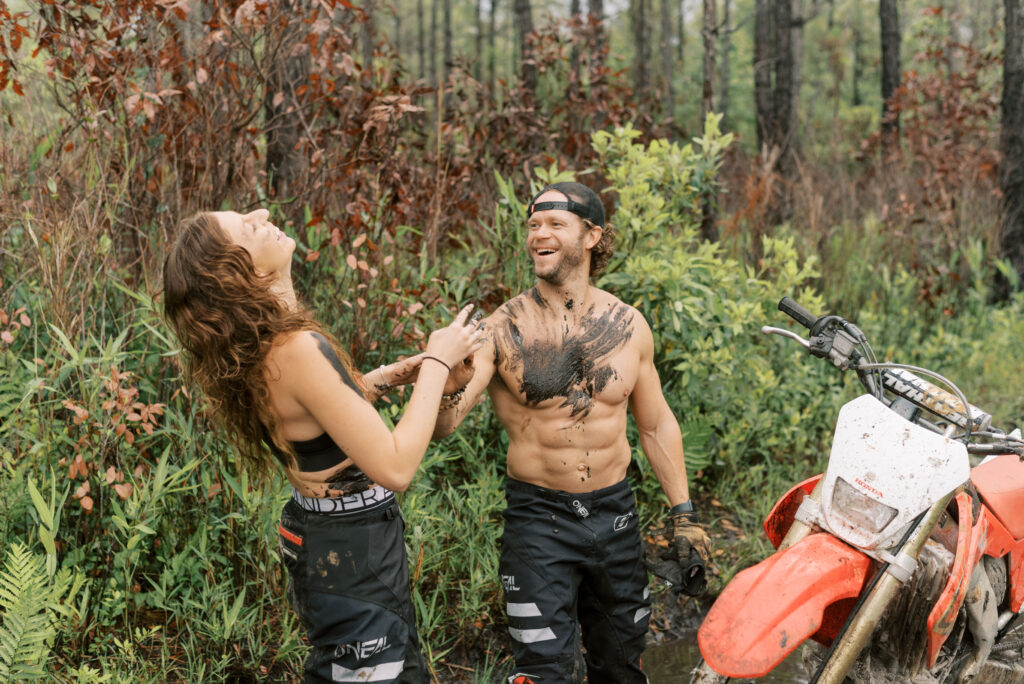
(378, 673)
(363, 649)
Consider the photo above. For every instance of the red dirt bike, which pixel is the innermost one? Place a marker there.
(904, 561)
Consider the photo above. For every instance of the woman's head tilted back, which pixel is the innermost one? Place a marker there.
(226, 314)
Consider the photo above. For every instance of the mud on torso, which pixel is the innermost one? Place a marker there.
(563, 377)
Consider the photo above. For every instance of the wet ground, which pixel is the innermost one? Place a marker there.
(671, 662)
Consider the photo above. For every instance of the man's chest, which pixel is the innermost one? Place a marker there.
(568, 366)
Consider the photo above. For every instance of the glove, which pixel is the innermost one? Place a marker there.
(684, 563)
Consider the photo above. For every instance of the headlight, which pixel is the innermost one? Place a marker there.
(859, 509)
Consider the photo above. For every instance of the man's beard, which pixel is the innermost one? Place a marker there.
(568, 263)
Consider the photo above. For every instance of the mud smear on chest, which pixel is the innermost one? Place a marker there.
(573, 364)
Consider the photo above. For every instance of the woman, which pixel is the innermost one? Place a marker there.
(275, 379)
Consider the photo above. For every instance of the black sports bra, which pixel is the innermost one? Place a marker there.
(322, 454)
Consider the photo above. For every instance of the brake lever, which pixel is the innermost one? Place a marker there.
(769, 330)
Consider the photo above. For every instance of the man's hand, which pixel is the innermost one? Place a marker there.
(460, 376)
(684, 563)
(407, 371)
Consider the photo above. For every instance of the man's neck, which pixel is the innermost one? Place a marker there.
(568, 298)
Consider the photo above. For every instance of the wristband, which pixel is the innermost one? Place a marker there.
(434, 358)
(387, 385)
(686, 509)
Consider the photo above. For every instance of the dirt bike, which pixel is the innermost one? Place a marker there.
(903, 561)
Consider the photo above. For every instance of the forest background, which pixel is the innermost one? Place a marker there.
(863, 157)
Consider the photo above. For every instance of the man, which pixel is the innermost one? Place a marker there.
(561, 363)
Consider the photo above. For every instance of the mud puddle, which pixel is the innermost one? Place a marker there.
(671, 662)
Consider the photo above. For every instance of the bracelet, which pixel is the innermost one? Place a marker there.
(439, 361)
(387, 385)
(450, 401)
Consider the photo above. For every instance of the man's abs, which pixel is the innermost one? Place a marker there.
(549, 449)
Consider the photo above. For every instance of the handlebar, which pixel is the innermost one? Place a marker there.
(846, 346)
(797, 313)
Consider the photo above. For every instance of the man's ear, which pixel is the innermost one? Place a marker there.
(594, 235)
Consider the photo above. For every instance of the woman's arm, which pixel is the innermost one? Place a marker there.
(313, 381)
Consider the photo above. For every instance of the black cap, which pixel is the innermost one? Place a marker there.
(583, 202)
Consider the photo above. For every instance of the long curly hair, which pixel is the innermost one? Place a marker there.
(226, 318)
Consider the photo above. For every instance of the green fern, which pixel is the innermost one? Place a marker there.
(29, 600)
(698, 437)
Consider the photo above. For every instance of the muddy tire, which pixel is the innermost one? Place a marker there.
(703, 674)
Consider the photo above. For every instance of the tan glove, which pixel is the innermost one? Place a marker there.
(684, 563)
(688, 534)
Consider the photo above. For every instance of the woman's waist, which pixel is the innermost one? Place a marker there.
(356, 502)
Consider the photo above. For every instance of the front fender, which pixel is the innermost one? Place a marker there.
(767, 610)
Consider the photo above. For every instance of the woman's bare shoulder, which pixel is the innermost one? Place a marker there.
(294, 343)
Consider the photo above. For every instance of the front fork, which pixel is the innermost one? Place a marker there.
(860, 626)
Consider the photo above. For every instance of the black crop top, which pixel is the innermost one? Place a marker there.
(320, 454)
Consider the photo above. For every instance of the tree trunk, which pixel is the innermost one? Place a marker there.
(491, 48)
(888, 16)
(709, 35)
(723, 85)
(796, 46)
(447, 37)
(524, 27)
(283, 108)
(783, 131)
(681, 32)
(858, 61)
(420, 46)
(709, 30)
(783, 96)
(478, 63)
(668, 94)
(763, 67)
(639, 15)
(398, 31)
(952, 11)
(595, 9)
(368, 33)
(1011, 140)
(574, 57)
(433, 42)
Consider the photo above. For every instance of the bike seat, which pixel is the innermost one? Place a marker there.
(1000, 482)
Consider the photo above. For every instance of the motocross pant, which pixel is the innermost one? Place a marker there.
(349, 584)
(572, 564)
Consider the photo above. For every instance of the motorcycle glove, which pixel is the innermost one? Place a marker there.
(684, 563)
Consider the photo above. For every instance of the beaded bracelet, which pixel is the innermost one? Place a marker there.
(450, 401)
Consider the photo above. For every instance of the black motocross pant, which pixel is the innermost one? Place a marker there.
(568, 560)
(349, 585)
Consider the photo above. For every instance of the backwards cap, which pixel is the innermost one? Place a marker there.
(583, 202)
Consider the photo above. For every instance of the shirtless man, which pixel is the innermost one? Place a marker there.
(561, 363)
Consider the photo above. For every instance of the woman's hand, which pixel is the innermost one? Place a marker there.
(453, 344)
